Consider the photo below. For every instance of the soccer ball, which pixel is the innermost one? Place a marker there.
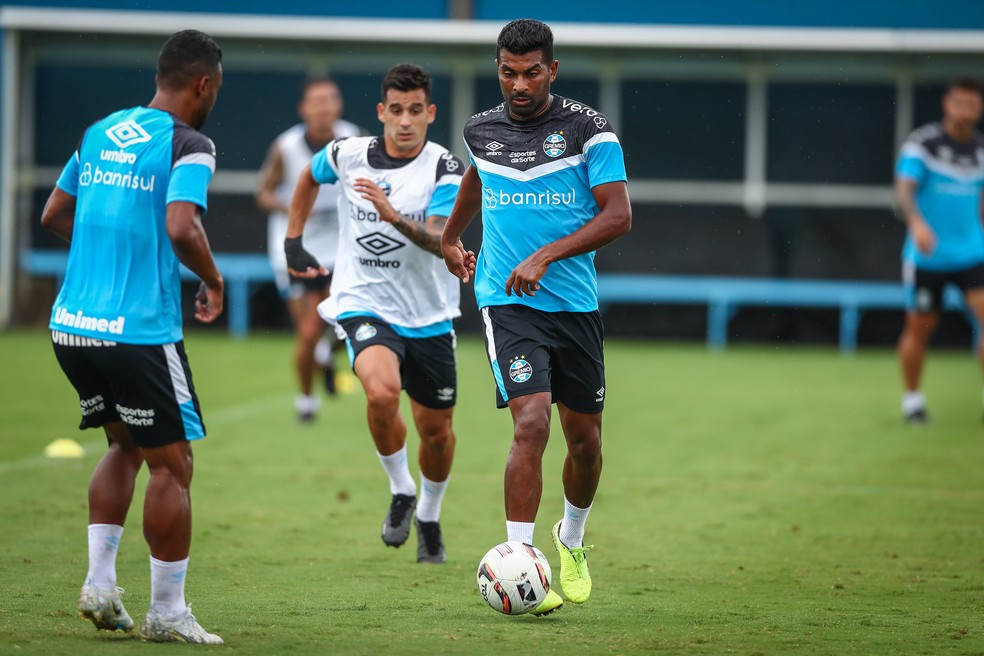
(514, 577)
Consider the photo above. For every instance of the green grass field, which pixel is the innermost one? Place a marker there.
(759, 501)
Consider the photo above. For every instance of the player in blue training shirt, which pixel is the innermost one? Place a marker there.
(938, 180)
(548, 175)
(130, 202)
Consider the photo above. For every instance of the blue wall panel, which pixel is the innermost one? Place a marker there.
(375, 9)
(911, 14)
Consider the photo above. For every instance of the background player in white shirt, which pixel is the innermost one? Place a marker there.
(394, 301)
(320, 108)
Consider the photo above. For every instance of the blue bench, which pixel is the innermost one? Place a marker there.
(241, 271)
(724, 296)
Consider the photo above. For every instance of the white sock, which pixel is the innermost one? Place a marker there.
(521, 531)
(912, 401)
(322, 352)
(395, 464)
(431, 495)
(306, 404)
(572, 526)
(167, 588)
(104, 542)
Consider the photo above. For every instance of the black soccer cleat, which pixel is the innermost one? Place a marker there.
(430, 546)
(396, 527)
(917, 417)
(329, 374)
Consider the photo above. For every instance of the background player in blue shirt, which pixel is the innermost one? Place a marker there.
(938, 180)
(547, 172)
(130, 202)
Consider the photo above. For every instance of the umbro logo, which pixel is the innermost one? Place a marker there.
(127, 133)
(601, 395)
(494, 148)
(379, 244)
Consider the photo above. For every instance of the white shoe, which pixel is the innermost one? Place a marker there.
(104, 608)
(307, 407)
(185, 629)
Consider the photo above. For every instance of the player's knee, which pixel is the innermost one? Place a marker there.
(585, 449)
(437, 435)
(382, 397)
(533, 429)
(175, 461)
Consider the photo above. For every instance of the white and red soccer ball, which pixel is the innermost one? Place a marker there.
(514, 577)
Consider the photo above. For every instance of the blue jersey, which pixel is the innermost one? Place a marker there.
(537, 178)
(122, 282)
(950, 175)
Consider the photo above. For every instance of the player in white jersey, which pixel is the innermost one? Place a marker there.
(391, 295)
(319, 109)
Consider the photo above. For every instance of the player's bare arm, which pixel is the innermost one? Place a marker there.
(467, 205)
(299, 262)
(271, 177)
(59, 213)
(190, 244)
(425, 235)
(922, 234)
(613, 220)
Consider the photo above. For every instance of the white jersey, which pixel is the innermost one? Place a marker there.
(321, 230)
(377, 270)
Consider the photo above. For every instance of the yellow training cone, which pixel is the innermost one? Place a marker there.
(64, 448)
(344, 382)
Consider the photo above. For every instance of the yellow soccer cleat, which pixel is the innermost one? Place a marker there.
(549, 604)
(575, 580)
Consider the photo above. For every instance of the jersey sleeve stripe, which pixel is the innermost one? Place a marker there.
(914, 150)
(196, 158)
(603, 137)
(449, 178)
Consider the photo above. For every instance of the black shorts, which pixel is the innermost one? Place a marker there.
(300, 286)
(558, 352)
(924, 288)
(149, 388)
(427, 364)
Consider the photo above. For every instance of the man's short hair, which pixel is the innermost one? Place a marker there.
(525, 35)
(406, 77)
(315, 81)
(185, 57)
(964, 84)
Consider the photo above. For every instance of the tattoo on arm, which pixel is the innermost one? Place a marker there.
(425, 235)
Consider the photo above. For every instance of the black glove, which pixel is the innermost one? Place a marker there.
(299, 259)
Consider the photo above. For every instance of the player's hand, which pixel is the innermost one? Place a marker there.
(459, 261)
(301, 263)
(375, 195)
(924, 237)
(208, 303)
(525, 278)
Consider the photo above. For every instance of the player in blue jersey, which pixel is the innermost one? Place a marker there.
(392, 298)
(130, 202)
(938, 181)
(547, 173)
